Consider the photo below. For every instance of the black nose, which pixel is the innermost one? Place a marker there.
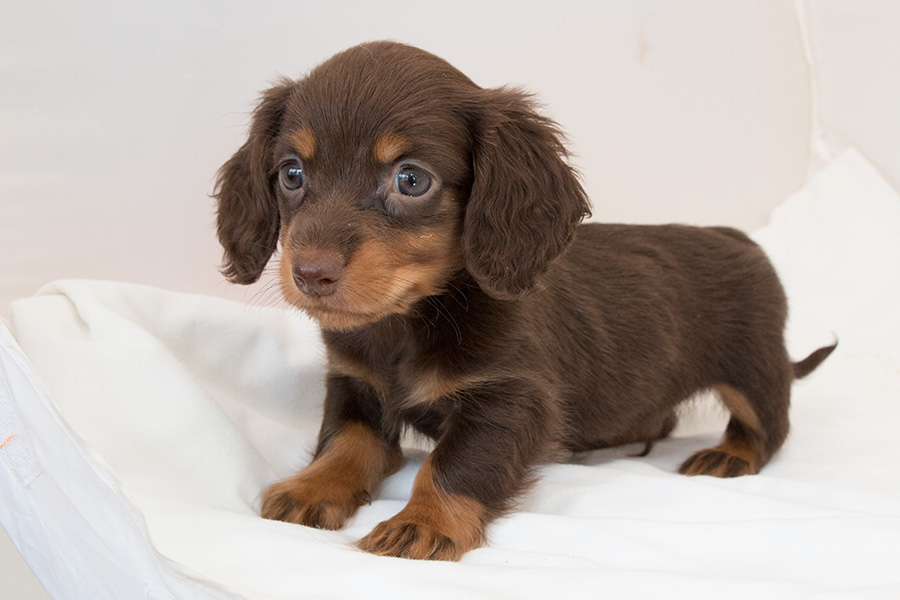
(318, 273)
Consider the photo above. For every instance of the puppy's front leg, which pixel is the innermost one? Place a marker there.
(351, 461)
(479, 466)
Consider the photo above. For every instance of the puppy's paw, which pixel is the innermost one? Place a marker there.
(718, 462)
(405, 537)
(314, 501)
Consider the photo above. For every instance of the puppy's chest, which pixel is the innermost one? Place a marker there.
(403, 376)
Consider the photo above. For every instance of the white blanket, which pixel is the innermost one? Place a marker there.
(139, 427)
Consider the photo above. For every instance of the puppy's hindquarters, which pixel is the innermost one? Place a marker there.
(755, 376)
(750, 440)
(757, 427)
(680, 310)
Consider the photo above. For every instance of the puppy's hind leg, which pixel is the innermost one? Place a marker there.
(754, 433)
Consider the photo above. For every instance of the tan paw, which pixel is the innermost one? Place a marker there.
(717, 462)
(314, 501)
(403, 538)
(435, 525)
(330, 490)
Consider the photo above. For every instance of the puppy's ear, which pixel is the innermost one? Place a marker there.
(247, 217)
(525, 201)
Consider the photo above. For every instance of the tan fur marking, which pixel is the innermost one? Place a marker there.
(430, 385)
(738, 405)
(342, 365)
(744, 450)
(357, 453)
(741, 452)
(340, 480)
(381, 279)
(434, 525)
(384, 276)
(304, 142)
(390, 147)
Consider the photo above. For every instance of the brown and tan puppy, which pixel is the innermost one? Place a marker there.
(431, 227)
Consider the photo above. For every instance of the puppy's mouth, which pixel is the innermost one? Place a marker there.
(366, 289)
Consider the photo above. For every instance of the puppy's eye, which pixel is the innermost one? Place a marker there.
(412, 181)
(291, 175)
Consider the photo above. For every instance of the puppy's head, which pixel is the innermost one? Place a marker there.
(385, 173)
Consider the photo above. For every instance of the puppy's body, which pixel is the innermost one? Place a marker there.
(430, 227)
(630, 322)
(651, 315)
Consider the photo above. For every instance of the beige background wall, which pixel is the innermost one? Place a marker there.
(114, 116)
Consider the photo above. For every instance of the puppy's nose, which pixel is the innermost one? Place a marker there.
(318, 273)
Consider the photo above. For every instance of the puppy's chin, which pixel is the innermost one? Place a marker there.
(344, 321)
(338, 318)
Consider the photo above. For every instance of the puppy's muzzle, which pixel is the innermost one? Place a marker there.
(317, 273)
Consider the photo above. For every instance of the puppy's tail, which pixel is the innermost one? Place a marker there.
(809, 364)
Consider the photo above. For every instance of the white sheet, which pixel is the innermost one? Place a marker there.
(144, 424)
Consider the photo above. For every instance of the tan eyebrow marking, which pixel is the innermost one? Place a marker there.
(390, 147)
(304, 143)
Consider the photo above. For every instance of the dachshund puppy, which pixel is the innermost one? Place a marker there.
(431, 227)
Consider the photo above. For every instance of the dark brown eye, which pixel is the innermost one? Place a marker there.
(291, 175)
(413, 181)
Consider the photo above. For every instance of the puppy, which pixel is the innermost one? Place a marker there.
(431, 227)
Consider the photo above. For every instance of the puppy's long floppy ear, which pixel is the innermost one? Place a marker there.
(525, 201)
(247, 217)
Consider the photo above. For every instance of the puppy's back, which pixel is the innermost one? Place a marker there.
(667, 310)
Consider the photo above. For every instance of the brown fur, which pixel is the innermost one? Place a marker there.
(476, 310)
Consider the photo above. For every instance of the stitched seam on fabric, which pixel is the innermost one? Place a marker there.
(15, 448)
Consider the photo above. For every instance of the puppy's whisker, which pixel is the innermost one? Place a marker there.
(442, 311)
